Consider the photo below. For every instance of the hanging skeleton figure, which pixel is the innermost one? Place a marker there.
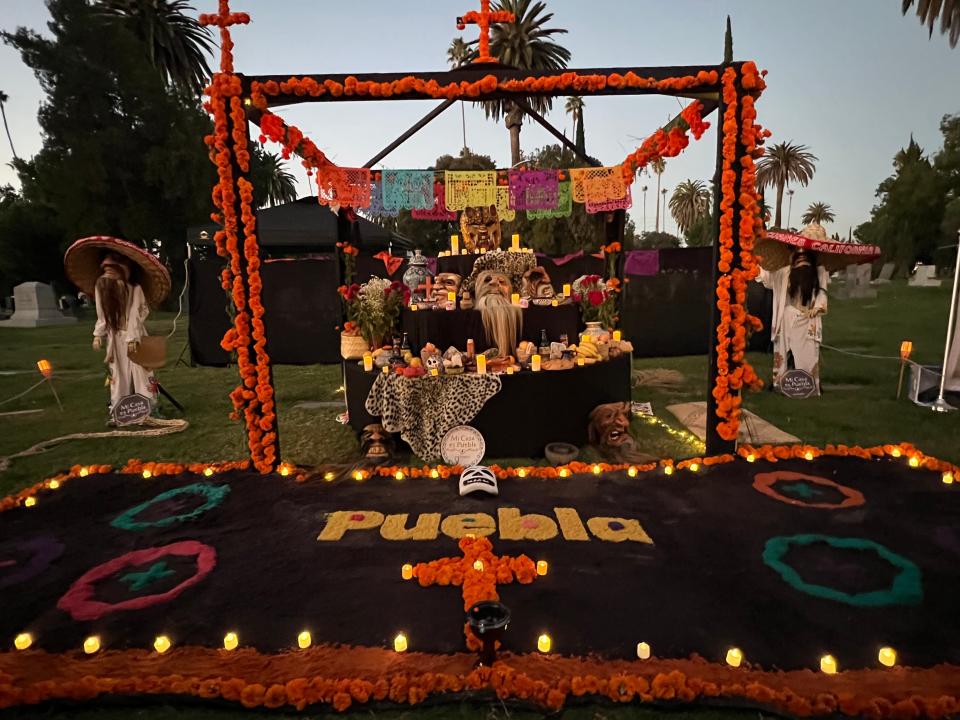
(502, 321)
(124, 280)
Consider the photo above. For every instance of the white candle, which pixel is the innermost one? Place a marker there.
(454, 244)
(481, 364)
(535, 363)
(643, 651)
(734, 657)
(828, 664)
(544, 643)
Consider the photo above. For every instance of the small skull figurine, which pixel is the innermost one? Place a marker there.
(443, 284)
(376, 444)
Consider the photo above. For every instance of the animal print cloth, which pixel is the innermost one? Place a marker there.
(423, 409)
(511, 264)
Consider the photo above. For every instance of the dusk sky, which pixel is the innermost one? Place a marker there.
(852, 79)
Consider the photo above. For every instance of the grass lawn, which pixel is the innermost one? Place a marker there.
(858, 405)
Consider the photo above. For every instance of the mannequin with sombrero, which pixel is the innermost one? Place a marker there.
(797, 268)
(125, 281)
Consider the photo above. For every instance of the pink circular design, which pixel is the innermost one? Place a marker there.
(80, 602)
(764, 483)
(357, 517)
(530, 523)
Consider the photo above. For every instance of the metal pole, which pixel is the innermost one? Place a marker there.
(941, 405)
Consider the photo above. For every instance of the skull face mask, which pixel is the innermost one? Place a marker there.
(536, 284)
(376, 444)
(443, 284)
(480, 227)
(609, 432)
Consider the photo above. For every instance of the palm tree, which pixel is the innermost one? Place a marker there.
(3, 98)
(690, 202)
(457, 55)
(819, 213)
(658, 166)
(574, 107)
(782, 164)
(947, 10)
(176, 43)
(274, 184)
(527, 44)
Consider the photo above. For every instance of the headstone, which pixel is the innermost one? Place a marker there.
(798, 384)
(35, 305)
(131, 409)
(857, 285)
(463, 445)
(886, 274)
(924, 276)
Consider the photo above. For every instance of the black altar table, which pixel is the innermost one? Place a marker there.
(531, 409)
(454, 327)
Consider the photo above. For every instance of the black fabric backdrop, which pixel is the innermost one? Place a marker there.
(453, 327)
(700, 588)
(531, 409)
(301, 311)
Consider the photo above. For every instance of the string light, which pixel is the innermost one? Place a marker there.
(643, 651)
(668, 470)
(230, 641)
(30, 501)
(544, 643)
(696, 443)
(734, 657)
(632, 471)
(91, 644)
(400, 643)
(887, 656)
(53, 484)
(947, 478)
(208, 471)
(162, 644)
(304, 639)
(23, 641)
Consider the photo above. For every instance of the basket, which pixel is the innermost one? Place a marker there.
(151, 352)
(352, 347)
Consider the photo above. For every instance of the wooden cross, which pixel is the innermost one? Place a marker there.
(477, 573)
(224, 19)
(483, 20)
(427, 287)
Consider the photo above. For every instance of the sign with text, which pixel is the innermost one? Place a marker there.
(798, 384)
(463, 445)
(131, 409)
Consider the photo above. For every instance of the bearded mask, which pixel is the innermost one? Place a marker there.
(502, 321)
(536, 284)
(444, 283)
(376, 444)
(480, 227)
(609, 432)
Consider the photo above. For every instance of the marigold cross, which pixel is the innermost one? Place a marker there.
(223, 19)
(483, 20)
(477, 573)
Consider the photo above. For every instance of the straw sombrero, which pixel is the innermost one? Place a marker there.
(82, 264)
(776, 248)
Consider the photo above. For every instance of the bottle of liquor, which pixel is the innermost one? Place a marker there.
(405, 349)
(471, 349)
(544, 348)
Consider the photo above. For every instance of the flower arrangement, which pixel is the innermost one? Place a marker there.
(373, 309)
(597, 299)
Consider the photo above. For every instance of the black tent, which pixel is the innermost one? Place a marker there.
(306, 226)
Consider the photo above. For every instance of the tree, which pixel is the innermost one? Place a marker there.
(574, 107)
(457, 55)
(690, 202)
(702, 232)
(3, 98)
(176, 44)
(658, 166)
(30, 246)
(272, 184)
(657, 239)
(782, 164)
(819, 213)
(527, 44)
(948, 11)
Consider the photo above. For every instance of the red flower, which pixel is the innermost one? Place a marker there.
(595, 297)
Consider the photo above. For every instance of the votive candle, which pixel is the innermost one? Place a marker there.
(481, 364)
(643, 651)
(515, 298)
(454, 244)
(617, 336)
(581, 362)
(535, 363)
(567, 290)
(367, 362)
(515, 242)
(406, 572)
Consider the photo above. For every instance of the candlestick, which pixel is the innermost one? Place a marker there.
(515, 242)
(828, 664)
(535, 363)
(617, 336)
(454, 244)
(567, 290)
(544, 643)
(367, 362)
(406, 572)
(734, 657)
(643, 651)
(400, 643)
(515, 298)
(481, 364)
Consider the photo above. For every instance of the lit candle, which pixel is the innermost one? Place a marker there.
(554, 303)
(887, 656)
(566, 290)
(535, 363)
(454, 244)
(947, 478)
(632, 471)
(509, 369)
(230, 641)
(400, 643)
(808, 455)
(367, 362)
(91, 644)
(147, 474)
(515, 298)
(515, 242)
(53, 484)
(544, 643)
(597, 469)
(208, 472)
(481, 364)
(914, 461)
(23, 641)
(734, 657)
(406, 572)
(694, 467)
(386, 369)
(413, 307)
(161, 644)
(434, 372)
(478, 565)
(668, 470)
(617, 336)
(84, 472)
(751, 457)
(895, 452)
(521, 472)
(30, 501)
(643, 651)
(328, 476)
(542, 567)
(398, 474)
(580, 361)
(304, 639)
(828, 664)
(451, 300)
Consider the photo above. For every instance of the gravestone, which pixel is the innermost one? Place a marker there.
(35, 305)
(886, 274)
(857, 285)
(924, 276)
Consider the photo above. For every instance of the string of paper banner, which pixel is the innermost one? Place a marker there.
(541, 193)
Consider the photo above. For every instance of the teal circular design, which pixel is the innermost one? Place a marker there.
(906, 588)
(213, 495)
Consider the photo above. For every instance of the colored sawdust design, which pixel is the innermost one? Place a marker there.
(212, 496)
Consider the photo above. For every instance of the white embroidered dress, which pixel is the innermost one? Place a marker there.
(126, 377)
